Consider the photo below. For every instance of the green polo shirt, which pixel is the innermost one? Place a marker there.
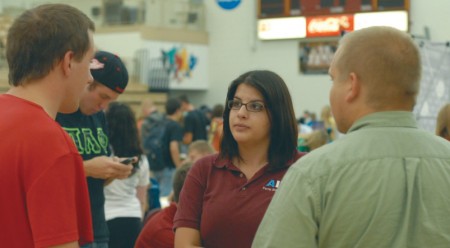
(384, 184)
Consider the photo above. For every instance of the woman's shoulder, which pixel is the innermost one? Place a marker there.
(207, 161)
(298, 155)
(202, 168)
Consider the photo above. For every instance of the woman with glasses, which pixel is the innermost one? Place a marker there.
(226, 195)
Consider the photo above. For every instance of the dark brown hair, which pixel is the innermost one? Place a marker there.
(217, 110)
(122, 130)
(40, 37)
(283, 128)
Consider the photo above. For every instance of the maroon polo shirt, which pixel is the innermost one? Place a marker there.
(218, 200)
(158, 232)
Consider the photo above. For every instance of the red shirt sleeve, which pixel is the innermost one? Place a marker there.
(58, 204)
(158, 232)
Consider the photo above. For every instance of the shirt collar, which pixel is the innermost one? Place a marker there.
(220, 163)
(224, 163)
(228, 164)
(385, 119)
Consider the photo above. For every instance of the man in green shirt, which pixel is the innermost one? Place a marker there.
(385, 183)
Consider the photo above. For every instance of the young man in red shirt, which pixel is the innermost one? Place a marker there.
(43, 191)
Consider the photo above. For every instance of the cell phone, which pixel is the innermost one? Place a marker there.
(127, 160)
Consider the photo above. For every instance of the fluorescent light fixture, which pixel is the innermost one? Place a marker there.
(395, 19)
(282, 28)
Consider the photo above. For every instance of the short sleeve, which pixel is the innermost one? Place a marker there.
(144, 172)
(58, 204)
(190, 204)
(189, 123)
(175, 133)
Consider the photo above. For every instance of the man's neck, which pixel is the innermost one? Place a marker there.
(38, 93)
(173, 117)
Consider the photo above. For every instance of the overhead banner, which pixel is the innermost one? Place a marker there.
(325, 26)
(174, 66)
(281, 28)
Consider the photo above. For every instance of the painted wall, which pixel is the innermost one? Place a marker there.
(235, 49)
(433, 14)
(124, 44)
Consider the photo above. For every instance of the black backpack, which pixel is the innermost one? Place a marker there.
(153, 133)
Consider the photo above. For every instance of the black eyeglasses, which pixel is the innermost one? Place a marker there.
(253, 106)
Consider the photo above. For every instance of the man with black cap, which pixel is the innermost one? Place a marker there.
(87, 127)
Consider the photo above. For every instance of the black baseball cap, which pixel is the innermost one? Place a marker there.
(109, 70)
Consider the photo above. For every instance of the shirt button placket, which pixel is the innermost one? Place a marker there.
(241, 175)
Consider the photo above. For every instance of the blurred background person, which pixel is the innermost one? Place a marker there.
(443, 122)
(196, 150)
(303, 128)
(311, 141)
(158, 230)
(146, 109)
(328, 123)
(195, 122)
(199, 149)
(125, 199)
(216, 126)
(161, 140)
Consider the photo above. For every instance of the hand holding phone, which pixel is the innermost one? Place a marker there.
(127, 160)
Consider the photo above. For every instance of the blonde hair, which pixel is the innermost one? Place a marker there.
(316, 139)
(443, 121)
(146, 108)
(386, 61)
(328, 121)
(202, 147)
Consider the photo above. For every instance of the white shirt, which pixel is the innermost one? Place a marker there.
(120, 194)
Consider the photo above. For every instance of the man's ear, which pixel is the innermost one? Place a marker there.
(66, 62)
(354, 89)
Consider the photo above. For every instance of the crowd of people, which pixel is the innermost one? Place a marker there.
(80, 169)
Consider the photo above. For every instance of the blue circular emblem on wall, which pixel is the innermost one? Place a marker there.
(228, 4)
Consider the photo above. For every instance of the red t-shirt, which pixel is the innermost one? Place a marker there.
(218, 200)
(44, 199)
(158, 231)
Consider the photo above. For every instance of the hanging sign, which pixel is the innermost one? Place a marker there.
(328, 25)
